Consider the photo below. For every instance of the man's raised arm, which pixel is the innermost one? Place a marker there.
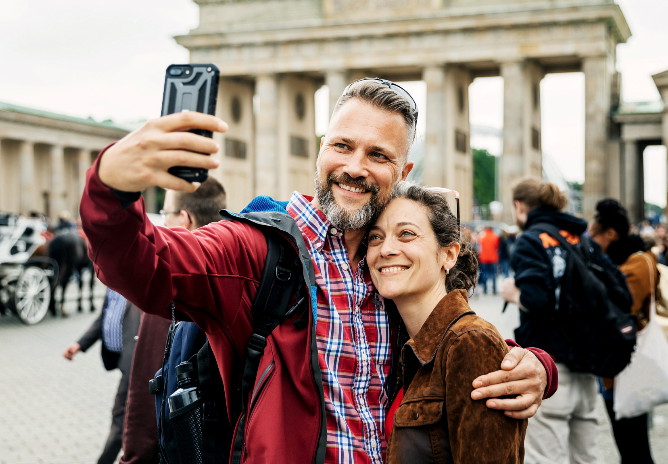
(130, 254)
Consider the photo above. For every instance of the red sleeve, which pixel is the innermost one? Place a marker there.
(549, 365)
(209, 273)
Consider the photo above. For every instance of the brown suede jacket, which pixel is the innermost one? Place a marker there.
(437, 420)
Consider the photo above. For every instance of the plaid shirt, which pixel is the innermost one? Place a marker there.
(352, 333)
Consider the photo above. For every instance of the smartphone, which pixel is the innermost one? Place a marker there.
(191, 87)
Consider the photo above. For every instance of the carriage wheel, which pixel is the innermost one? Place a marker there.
(32, 295)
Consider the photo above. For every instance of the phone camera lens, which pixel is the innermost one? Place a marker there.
(175, 71)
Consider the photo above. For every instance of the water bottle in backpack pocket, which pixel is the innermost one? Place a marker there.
(193, 423)
(185, 414)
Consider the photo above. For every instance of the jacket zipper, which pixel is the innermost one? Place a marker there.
(259, 386)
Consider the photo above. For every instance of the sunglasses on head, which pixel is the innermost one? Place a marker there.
(393, 86)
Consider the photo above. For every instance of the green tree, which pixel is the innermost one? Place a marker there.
(484, 177)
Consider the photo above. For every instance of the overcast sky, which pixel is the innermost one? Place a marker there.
(107, 60)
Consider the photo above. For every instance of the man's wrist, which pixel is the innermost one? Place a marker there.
(126, 198)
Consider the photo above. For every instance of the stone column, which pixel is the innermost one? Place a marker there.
(58, 190)
(458, 167)
(597, 106)
(4, 172)
(83, 163)
(514, 123)
(533, 154)
(336, 81)
(433, 163)
(236, 171)
(661, 82)
(631, 167)
(267, 136)
(27, 197)
(296, 129)
(522, 154)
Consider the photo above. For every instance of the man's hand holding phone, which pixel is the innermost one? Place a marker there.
(141, 159)
(168, 152)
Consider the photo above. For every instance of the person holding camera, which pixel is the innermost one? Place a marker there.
(326, 367)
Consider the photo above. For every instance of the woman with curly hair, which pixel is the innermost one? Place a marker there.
(416, 258)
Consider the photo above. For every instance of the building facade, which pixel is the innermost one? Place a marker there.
(274, 54)
(44, 157)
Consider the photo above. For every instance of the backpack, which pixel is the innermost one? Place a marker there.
(591, 318)
(201, 433)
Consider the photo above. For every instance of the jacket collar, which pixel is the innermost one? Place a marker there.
(427, 341)
(559, 219)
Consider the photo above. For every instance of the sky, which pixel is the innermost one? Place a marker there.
(107, 60)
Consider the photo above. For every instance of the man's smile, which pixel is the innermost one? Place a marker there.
(351, 188)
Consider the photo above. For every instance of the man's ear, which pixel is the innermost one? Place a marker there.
(407, 169)
(184, 219)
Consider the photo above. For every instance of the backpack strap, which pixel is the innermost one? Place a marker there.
(281, 279)
(584, 248)
(158, 384)
(552, 231)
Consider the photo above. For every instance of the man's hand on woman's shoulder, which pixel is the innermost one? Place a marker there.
(518, 388)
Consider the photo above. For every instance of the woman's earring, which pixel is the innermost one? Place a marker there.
(447, 271)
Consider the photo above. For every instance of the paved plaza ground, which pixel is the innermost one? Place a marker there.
(58, 412)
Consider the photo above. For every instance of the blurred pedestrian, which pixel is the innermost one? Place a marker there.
(505, 243)
(660, 246)
(565, 428)
(609, 228)
(115, 327)
(488, 256)
(65, 222)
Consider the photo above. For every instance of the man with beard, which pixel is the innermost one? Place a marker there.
(321, 388)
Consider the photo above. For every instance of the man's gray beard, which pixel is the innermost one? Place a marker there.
(343, 219)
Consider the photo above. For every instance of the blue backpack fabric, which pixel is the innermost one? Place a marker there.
(187, 342)
(206, 436)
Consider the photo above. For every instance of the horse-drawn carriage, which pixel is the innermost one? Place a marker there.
(27, 274)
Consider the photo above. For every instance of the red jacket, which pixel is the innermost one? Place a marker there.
(489, 247)
(212, 275)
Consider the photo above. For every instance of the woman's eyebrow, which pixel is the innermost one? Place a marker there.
(398, 224)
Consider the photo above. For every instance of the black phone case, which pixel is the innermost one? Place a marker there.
(191, 87)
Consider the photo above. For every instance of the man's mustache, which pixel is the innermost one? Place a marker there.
(349, 180)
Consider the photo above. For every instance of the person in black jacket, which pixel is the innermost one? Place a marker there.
(115, 327)
(565, 428)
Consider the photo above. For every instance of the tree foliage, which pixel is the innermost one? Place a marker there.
(484, 177)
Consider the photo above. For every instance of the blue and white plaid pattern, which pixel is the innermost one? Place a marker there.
(352, 334)
(112, 321)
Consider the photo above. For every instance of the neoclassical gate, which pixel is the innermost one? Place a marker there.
(274, 55)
